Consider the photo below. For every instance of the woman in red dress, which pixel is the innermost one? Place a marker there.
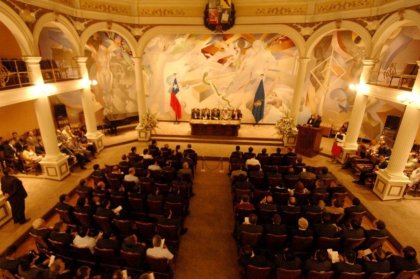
(337, 147)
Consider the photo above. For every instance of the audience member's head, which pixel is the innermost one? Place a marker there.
(124, 157)
(96, 167)
(303, 224)
(82, 231)
(276, 218)
(83, 272)
(253, 219)
(355, 201)
(62, 198)
(321, 255)
(157, 240)
(409, 253)
(380, 225)
(350, 256)
(356, 223)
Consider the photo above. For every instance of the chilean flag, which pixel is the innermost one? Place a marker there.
(175, 105)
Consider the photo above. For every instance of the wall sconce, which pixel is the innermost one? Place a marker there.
(361, 87)
(409, 98)
(43, 90)
(86, 83)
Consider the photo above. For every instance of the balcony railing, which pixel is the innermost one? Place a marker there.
(53, 71)
(13, 74)
(396, 75)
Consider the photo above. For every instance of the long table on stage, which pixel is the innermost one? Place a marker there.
(201, 127)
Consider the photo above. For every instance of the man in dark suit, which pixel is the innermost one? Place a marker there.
(407, 262)
(327, 228)
(108, 241)
(104, 209)
(319, 262)
(378, 231)
(237, 153)
(248, 257)
(60, 234)
(288, 260)
(252, 227)
(355, 229)
(355, 208)
(377, 263)
(276, 227)
(63, 205)
(15, 194)
(348, 265)
(314, 121)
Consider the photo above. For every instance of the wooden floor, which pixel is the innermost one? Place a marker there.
(402, 217)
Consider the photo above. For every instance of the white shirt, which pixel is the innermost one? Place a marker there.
(147, 156)
(340, 138)
(159, 253)
(154, 167)
(131, 178)
(252, 162)
(85, 242)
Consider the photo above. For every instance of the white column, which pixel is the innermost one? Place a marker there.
(299, 87)
(358, 112)
(54, 164)
(87, 97)
(141, 97)
(391, 182)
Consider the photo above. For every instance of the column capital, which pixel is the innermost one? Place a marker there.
(31, 59)
(418, 63)
(369, 62)
(80, 59)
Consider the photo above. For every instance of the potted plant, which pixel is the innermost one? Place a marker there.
(287, 129)
(148, 123)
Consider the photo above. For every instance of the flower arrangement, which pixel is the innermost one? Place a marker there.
(148, 121)
(286, 127)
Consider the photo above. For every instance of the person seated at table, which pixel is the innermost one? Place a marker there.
(371, 173)
(236, 114)
(195, 113)
(215, 114)
(205, 113)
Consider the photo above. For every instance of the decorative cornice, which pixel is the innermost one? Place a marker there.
(342, 5)
(284, 9)
(110, 8)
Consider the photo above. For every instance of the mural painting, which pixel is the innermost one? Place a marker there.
(220, 71)
(110, 64)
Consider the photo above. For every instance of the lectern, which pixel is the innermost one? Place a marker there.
(308, 141)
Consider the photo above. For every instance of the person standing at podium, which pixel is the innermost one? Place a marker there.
(314, 120)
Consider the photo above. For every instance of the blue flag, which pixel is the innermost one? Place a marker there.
(258, 106)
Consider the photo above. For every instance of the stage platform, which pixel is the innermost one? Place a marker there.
(215, 146)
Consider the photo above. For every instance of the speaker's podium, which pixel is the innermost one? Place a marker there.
(308, 141)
